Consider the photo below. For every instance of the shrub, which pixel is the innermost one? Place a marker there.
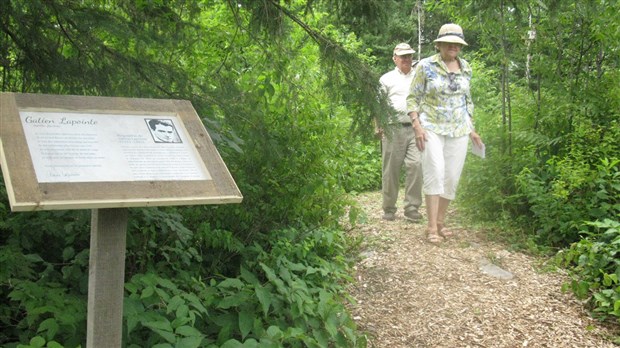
(361, 167)
(595, 266)
(290, 294)
(569, 192)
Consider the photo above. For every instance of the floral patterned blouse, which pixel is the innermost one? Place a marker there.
(442, 99)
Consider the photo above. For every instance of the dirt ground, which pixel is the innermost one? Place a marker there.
(411, 293)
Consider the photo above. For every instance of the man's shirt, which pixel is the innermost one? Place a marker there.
(396, 86)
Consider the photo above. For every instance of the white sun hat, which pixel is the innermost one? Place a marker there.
(451, 33)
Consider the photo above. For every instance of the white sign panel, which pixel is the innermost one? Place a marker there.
(84, 147)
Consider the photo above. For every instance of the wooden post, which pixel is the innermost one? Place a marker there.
(106, 278)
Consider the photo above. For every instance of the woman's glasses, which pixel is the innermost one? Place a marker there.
(453, 85)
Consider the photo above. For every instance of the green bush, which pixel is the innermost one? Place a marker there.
(288, 290)
(361, 169)
(595, 265)
(291, 294)
(43, 276)
(567, 193)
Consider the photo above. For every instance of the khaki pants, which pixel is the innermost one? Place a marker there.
(398, 149)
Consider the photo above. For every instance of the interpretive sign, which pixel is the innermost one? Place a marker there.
(78, 147)
(67, 152)
(107, 154)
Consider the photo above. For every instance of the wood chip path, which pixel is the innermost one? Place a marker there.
(411, 293)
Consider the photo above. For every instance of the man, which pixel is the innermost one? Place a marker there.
(399, 147)
(163, 131)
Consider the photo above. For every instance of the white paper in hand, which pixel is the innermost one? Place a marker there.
(478, 150)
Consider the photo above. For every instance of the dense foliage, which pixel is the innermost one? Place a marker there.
(287, 90)
(597, 267)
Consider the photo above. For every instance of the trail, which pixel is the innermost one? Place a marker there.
(411, 293)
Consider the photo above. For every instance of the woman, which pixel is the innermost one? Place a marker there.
(441, 111)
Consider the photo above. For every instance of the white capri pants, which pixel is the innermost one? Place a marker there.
(442, 163)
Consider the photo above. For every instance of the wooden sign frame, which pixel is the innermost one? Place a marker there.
(27, 194)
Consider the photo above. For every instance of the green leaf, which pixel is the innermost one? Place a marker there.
(33, 258)
(147, 292)
(131, 287)
(273, 278)
(331, 324)
(231, 301)
(132, 322)
(231, 283)
(182, 311)
(266, 342)
(268, 271)
(196, 303)
(163, 345)
(37, 341)
(251, 343)
(51, 326)
(168, 336)
(132, 306)
(188, 331)
(602, 299)
(174, 303)
(178, 322)
(162, 324)
(249, 276)
(293, 332)
(162, 294)
(321, 337)
(246, 322)
(296, 266)
(609, 279)
(166, 283)
(163, 328)
(274, 332)
(54, 344)
(324, 305)
(68, 253)
(264, 297)
(189, 342)
(232, 343)
(311, 270)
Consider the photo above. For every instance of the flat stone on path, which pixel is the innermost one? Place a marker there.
(488, 268)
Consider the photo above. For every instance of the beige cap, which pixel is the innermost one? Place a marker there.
(451, 33)
(403, 48)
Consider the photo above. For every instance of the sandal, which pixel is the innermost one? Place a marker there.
(444, 232)
(434, 238)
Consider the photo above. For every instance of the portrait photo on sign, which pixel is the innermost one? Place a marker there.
(163, 130)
